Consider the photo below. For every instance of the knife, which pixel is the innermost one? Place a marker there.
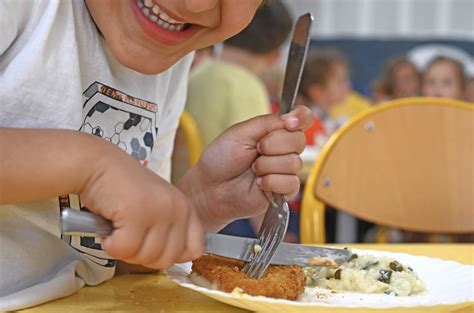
(83, 223)
(296, 58)
(294, 68)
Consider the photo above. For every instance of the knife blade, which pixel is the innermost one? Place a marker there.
(286, 253)
(82, 223)
(296, 58)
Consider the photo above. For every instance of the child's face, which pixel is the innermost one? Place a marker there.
(336, 88)
(149, 36)
(442, 80)
(405, 81)
(469, 93)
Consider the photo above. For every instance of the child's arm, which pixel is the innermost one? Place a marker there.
(41, 163)
(155, 224)
(238, 171)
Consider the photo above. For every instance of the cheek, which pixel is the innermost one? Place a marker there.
(235, 16)
(341, 91)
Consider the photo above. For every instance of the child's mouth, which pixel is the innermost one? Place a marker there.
(154, 14)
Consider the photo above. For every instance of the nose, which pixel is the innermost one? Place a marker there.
(198, 6)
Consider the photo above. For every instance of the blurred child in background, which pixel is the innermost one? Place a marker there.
(326, 89)
(400, 79)
(444, 77)
(469, 90)
(325, 83)
(226, 89)
(273, 78)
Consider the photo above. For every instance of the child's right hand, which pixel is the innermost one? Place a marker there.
(154, 223)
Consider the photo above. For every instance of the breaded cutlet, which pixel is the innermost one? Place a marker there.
(283, 282)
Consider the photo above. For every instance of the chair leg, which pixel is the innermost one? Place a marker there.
(381, 235)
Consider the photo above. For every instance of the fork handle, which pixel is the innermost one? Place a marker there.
(277, 200)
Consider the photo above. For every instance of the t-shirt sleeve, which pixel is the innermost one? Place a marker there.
(206, 102)
(253, 102)
(14, 16)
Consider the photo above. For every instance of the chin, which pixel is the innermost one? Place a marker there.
(145, 68)
(148, 68)
(142, 61)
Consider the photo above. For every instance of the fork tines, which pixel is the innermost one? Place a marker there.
(271, 234)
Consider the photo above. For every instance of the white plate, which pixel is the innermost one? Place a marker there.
(449, 286)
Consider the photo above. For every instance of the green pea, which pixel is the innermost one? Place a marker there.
(397, 267)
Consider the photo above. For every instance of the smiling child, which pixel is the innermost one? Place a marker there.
(91, 97)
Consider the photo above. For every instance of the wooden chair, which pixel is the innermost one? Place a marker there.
(407, 163)
(187, 146)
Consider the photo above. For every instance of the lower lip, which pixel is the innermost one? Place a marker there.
(160, 34)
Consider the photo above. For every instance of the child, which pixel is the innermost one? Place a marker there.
(118, 70)
(469, 90)
(400, 79)
(227, 87)
(444, 77)
(325, 82)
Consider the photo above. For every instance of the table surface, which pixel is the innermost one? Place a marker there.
(156, 293)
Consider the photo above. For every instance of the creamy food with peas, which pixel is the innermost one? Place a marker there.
(369, 274)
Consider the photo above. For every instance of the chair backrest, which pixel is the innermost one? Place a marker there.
(187, 146)
(407, 163)
(193, 139)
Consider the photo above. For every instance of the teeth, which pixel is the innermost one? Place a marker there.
(165, 17)
(149, 3)
(153, 12)
(172, 21)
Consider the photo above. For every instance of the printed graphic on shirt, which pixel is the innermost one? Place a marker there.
(129, 123)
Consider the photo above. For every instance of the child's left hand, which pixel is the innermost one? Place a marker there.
(261, 154)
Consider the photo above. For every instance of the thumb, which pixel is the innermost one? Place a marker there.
(257, 127)
(298, 119)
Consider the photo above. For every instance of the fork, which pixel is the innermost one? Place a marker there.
(275, 223)
(272, 231)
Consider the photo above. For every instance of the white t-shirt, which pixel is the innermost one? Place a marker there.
(56, 72)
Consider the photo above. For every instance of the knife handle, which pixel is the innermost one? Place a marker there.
(82, 223)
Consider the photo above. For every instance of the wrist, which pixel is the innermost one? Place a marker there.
(101, 158)
(194, 185)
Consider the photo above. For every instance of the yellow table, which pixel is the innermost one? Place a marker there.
(156, 293)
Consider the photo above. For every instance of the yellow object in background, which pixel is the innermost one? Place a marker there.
(193, 139)
(187, 147)
(354, 104)
(221, 95)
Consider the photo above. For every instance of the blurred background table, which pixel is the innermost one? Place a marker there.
(156, 293)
